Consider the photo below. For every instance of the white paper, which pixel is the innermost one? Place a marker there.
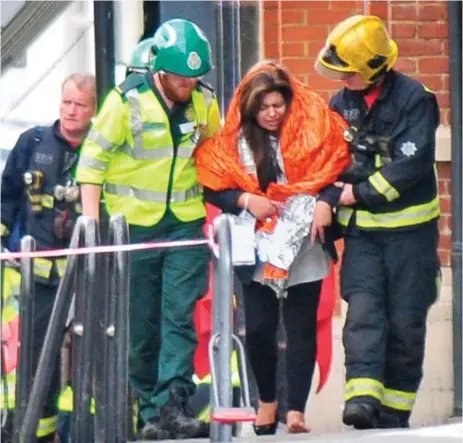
(186, 128)
(243, 244)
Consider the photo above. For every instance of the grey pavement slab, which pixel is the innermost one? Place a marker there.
(449, 433)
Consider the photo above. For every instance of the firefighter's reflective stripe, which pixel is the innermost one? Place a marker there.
(399, 400)
(61, 266)
(411, 216)
(383, 187)
(343, 215)
(48, 201)
(207, 379)
(378, 161)
(43, 266)
(3, 230)
(47, 426)
(66, 399)
(235, 373)
(363, 387)
(414, 215)
(205, 413)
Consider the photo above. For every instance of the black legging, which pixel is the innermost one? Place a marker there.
(300, 321)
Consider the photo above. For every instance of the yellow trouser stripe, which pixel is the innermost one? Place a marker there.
(47, 426)
(363, 387)
(400, 400)
(42, 267)
(205, 415)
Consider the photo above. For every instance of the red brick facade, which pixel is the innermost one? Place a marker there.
(294, 32)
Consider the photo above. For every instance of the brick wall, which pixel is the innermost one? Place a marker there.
(295, 31)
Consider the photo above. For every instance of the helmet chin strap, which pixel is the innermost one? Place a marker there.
(373, 85)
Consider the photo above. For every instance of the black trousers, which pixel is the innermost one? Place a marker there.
(389, 280)
(44, 301)
(300, 321)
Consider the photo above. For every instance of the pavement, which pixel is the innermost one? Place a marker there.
(448, 433)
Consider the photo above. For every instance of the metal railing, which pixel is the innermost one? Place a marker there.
(223, 414)
(79, 273)
(99, 284)
(98, 313)
(113, 422)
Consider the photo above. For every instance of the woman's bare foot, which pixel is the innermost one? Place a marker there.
(295, 423)
(266, 413)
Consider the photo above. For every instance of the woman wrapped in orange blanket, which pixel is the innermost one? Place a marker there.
(274, 160)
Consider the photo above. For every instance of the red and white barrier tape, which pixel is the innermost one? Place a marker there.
(101, 249)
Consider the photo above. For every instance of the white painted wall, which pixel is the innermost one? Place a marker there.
(31, 95)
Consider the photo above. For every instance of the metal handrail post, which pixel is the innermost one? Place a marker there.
(51, 346)
(120, 233)
(82, 423)
(223, 322)
(101, 348)
(26, 331)
(109, 330)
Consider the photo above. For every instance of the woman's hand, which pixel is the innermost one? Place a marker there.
(322, 218)
(260, 207)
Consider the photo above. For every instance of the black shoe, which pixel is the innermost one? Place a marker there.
(153, 430)
(389, 420)
(360, 416)
(269, 429)
(179, 420)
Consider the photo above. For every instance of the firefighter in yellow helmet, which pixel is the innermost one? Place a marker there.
(388, 211)
(140, 151)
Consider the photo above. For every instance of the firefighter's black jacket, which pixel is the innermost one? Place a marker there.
(404, 192)
(48, 151)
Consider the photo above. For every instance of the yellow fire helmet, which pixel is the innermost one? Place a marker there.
(359, 44)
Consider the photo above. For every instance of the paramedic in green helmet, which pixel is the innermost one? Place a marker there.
(140, 154)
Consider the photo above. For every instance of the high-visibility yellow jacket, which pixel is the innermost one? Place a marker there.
(131, 151)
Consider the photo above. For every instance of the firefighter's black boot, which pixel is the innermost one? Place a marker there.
(360, 416)
(179, 420)
(389, 419)
(152, 430)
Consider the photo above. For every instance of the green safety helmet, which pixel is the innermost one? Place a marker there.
(181, 47)
(142, 57)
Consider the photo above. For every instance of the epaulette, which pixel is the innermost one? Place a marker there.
(133, 81)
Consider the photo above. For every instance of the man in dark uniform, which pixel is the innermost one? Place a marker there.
(388, 211)
(38, 190)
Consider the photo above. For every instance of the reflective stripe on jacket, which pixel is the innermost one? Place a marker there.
(131, 151)
(404, 192)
